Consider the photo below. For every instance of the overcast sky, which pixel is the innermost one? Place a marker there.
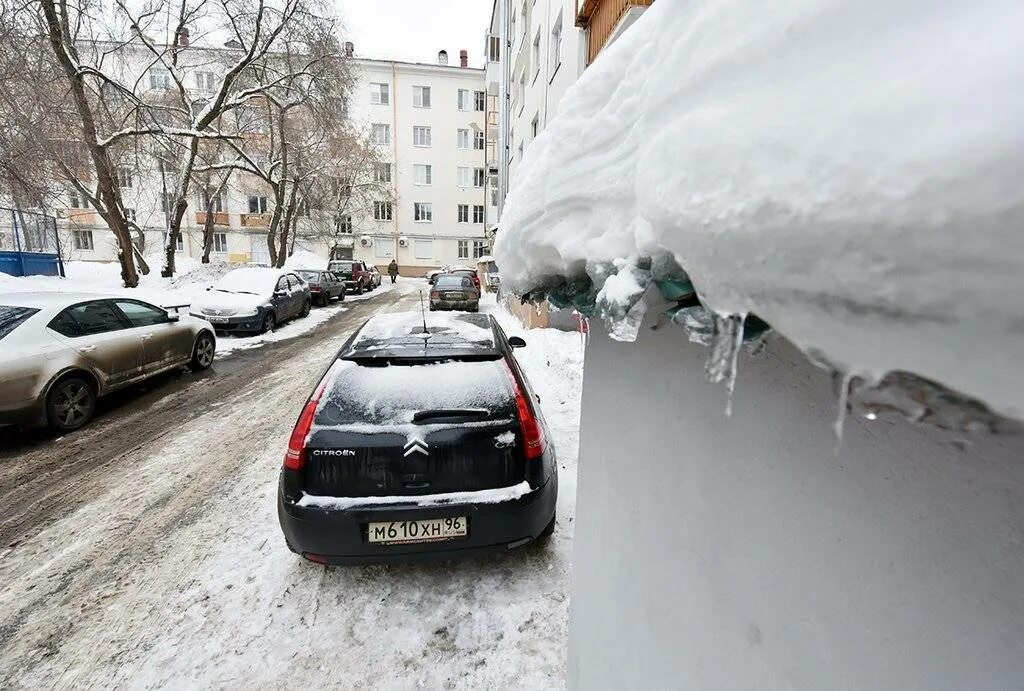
(414, 30)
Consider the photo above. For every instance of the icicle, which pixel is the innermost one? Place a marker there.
(844, 397)
(726, 341)
(628, 327)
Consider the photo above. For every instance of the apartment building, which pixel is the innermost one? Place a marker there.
(427, 123)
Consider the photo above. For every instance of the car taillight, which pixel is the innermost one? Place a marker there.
(435, 293)
(314, 289)
(295, 456)
(533, 433)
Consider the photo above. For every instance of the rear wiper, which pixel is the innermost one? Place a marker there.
(461, 413)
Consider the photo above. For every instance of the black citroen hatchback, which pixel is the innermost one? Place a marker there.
(423, 440)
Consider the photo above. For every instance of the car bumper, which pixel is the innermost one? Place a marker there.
(340, 536)
(455, 304)
(229, 324)
(33, 414)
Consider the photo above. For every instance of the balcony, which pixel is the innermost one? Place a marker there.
(82, 217)
(255, 220)
(602, 17)
(219, 219)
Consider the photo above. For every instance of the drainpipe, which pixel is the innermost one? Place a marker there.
(506, 47)
(394, 150)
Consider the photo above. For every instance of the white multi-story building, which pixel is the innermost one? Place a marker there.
(428, 125)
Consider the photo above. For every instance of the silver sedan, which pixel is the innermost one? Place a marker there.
(59, 352)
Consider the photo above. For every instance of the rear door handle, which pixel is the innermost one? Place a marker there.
(86, 349)
(146, 337)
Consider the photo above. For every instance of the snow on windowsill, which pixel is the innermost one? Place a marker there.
(845, 171)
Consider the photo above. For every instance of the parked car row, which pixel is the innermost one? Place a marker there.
(357, 275)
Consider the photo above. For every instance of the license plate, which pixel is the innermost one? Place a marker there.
(217, 320)
(454, 296)
(409, 532)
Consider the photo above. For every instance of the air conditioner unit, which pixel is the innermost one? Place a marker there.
(365, 241)
(403, 241)
(493, 171)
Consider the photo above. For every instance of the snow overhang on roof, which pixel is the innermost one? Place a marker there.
(848, 172)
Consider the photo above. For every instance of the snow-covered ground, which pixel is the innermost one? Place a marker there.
(176, 573)
(847, 171)
(190, 284)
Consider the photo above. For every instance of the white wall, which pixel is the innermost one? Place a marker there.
(718, 553)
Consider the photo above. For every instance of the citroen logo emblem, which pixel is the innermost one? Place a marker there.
(417, 445)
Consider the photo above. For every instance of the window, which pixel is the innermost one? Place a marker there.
(478, 140)
(257, 205)
(462, 140)
(512, 27)
(76, 201)
(179, 242)
(478, 177)
(463, 249)
(165, 166)
(519, 151)
(381, 133)
(206, 81)
(344, 224)
(382, 172)
(124, 178)
(479, 249)
(423, 249)
(220, 242)
(383, 247)
(421, 174)
(379, 94)
(463, 213)
(521, 90)
(463, 99)
(95, 318)
(423, 212)
(494, 48)
(282, 284)
(421, 96)
(463, 177)
(82, 239)
(524, 20)
(159, 78)
(63, 324)
(479, 101)
(382, 211)
(421, 136)
(536, 54)
(556, 41)
(141, 314)
(534, 125)
(214, 203)
(129, 214)
(478, 213)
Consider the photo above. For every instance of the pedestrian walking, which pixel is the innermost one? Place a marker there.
(393, 270)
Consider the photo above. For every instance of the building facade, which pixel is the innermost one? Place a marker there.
(426, 122)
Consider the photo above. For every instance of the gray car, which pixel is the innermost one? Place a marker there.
(59, 352)
(253, 300)
(324, 286)
(454, 292)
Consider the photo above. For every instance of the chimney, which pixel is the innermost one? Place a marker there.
(442, 57)
(183, 37)
(463, 58)
(350, 49)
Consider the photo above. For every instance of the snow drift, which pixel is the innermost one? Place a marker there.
(847, 171)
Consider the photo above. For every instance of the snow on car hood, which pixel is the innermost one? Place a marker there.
(228, 302)
(846, 171)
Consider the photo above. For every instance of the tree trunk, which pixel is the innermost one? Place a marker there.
(180, 206)
(208, 232)
(289, 214)
(64, 48)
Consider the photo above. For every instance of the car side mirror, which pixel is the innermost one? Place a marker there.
(171, 318)
(209, 287)
(516, 342)
(280, 293)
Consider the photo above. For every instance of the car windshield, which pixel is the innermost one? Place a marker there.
(309, 275)
(11, 317)
(248, 281)
(452, 281)
(394, 394)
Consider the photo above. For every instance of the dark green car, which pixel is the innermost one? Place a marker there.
(324, 286)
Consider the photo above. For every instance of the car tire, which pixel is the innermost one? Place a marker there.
(545, 535)
(361, 289)
(305, 310)
(269, 322)
(70, 403)
(203, 352)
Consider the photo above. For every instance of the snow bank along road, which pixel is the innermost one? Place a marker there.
(144, 551)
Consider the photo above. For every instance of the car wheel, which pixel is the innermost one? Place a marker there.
(305, 310)
(202, 352)
(545, 535)
(361, 289)
(70, 404)
(269, 322)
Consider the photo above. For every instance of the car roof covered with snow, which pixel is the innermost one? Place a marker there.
(47, 300)
(419, 334)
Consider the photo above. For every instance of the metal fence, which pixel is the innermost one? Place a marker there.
(29, 243)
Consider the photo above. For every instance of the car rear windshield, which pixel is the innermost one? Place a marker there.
(309, 275)
(401, 394)
(453, 282)
(11, 317)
